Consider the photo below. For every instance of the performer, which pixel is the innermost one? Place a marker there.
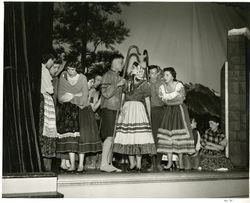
(157, 109)
(73, 94)
(48, 131)
(213, 145)
(89, 141)
(134, 135)
(175, 134)
(192, 161)
(110, 102)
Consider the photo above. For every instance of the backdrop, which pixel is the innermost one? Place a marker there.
(191, 37)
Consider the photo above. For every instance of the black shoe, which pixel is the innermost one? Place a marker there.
(171, 168)
(138, 170)
(131, 169)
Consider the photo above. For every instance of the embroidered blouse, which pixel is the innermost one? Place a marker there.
(176, 97)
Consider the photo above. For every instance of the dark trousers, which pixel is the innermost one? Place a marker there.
(156, 118)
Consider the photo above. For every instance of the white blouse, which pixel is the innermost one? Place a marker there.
(165, 95)
(46, 81)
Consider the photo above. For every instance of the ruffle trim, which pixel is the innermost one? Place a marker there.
(69, 134)
(137, 149)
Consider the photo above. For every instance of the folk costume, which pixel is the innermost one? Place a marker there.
(110, 103)
(133, 131)
(175, 134)
(68, 116)
(48, 130)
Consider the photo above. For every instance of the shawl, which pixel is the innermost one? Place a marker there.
(79, 90)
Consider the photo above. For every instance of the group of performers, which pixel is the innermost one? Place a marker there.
(144, 114)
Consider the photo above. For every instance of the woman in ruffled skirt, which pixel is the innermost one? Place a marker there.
(133, 132)
(175, 134)
(73, 95)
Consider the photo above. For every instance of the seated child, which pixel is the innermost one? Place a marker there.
(213, 145)
(192, 161)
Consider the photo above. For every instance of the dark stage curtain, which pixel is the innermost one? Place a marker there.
(27, 34)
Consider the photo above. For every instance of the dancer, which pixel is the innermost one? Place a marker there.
(175, 134)
(134, 135)
(72, 94)
(192, 161)
(89, 141)
(110, 103)
(157, 110)
(48, 131)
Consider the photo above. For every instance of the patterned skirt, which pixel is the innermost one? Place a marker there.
(175, 134)
(68, 128)
(47, 126)
(89, 140)
(133, 132)
(212, 160)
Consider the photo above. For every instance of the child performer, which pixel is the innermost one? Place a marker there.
(192, 161)
(110, 103)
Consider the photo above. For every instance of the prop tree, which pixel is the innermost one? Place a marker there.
(85, 26)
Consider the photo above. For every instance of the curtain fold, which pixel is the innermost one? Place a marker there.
(23, 48)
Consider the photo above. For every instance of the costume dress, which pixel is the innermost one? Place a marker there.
(133, 131)
(68, 124)
(47, 121)
(175, 134)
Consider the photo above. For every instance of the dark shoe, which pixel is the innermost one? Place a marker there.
(171, 168)
(131, 169)
(70, 171)
(151, 168)
(159, 168)
(138, 170)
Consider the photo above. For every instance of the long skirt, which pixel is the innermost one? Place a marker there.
(89, 140)
(133, 131)
(47, 126)
(175, 134)
(68, 128)
(214, 160)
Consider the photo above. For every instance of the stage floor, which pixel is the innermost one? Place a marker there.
(162, 184)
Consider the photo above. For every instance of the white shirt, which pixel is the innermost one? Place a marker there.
(46, 81)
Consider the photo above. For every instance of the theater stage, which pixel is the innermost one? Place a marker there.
(175, 184)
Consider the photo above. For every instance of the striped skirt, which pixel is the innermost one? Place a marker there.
(133, 131)
(47, 126)
(175, 134)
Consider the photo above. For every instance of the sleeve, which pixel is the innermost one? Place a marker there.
(46, 83)
(204, 139)
(146, 90)
(166, 96)
(83, 99)
(109, 87)
(180, 89)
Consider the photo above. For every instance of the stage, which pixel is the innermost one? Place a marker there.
(176, 184)
(96, 184)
